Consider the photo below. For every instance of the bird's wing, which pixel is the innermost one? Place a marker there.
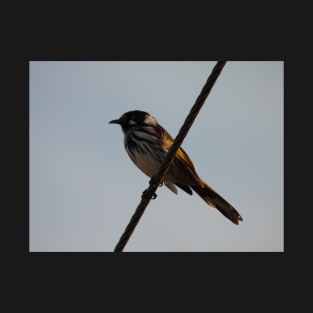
(183, 157)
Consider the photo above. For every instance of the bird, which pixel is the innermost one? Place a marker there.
(147, 144)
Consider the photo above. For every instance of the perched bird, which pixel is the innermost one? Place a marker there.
(147, 144)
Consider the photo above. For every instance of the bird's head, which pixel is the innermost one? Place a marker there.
(133, 119)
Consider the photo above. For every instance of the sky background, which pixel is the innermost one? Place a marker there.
(84, 188)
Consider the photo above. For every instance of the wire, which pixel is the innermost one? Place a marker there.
(158, 178)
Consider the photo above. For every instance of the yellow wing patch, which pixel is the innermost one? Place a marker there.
(183, 156)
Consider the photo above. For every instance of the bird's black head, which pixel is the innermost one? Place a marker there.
(134, 119)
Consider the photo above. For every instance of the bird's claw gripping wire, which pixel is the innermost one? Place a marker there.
(147, 194)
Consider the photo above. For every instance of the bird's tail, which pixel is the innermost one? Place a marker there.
(213, 199)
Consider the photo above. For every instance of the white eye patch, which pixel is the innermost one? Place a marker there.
(150, 120)
(131, 123)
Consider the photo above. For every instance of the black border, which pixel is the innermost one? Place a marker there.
(228, 277)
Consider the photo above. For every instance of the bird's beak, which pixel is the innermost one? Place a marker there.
(115, 121)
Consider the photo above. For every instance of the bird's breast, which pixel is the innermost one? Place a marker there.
(145, 163)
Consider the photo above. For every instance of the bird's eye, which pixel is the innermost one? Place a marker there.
(131, 123)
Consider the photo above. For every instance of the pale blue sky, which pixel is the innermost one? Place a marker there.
(84, 188)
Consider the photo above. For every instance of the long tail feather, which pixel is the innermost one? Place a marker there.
(213, 199)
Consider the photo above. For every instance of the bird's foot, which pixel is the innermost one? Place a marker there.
(147, 194)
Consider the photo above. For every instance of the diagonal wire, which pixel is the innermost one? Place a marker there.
(158, 178)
